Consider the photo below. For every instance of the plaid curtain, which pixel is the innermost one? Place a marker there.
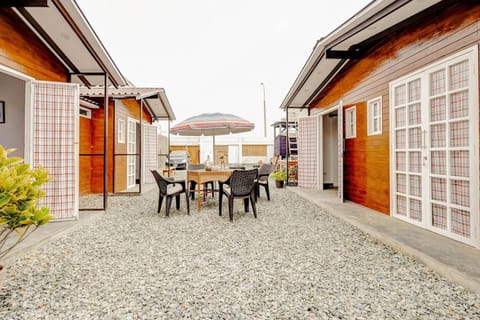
(54, 136)
(150, 152)
(308, 152)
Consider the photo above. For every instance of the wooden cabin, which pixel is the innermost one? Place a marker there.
(392, 96)
(133, 138)
(48, 49)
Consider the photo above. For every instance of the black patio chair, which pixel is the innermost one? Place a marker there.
(262, 180)
(240, 185)
(193, 184)
(169, 189)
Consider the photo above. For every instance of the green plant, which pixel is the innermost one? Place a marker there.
(20, 190)
(279, 175)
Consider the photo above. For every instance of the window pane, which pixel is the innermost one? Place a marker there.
(400, 95)
(459, 75)
(414, 90)
(414, 114)
(438, 108)
(459, 104)
(437, 82)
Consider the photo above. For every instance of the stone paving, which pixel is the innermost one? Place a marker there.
(296, 261)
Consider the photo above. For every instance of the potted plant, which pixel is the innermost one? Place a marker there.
(279, 176)
(20, 191)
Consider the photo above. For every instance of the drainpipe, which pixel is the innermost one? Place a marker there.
(105, 144)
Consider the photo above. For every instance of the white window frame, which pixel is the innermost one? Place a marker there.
(351, 122)
(372, 118)
(472, 55)
(121, 131)
(88, 114)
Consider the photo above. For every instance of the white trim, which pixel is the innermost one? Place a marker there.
(471, 54)
(329, 110)
(348, 117)
(371, 117)
(28, 150)
(320, 163)
(341, 151)
(129, 121)
(88, 112)
(14, 73)
(121, 135)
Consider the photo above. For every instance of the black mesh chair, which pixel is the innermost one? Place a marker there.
(193, 184)
(169, 189)
(240, 185)
(262, 180)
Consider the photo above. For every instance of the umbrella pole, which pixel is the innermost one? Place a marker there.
(213, 153)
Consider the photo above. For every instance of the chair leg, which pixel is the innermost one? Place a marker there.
(193, 186)
(212, 184)
(177, 202)
(254, 206)
(245, 204)
(160, 200)
(267, 190)
(220, 196)
(168, 204)
(188, 202)
(230, 208)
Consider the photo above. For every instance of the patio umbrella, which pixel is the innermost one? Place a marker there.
(212, 124)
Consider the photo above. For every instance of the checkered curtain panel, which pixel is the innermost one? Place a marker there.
(149, 152)
(307, 152)
(54, 129)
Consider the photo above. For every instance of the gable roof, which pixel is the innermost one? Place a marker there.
(64, 29)
(347, 42)
(155, 98)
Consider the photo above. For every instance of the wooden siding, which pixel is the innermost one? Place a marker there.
(85, 162)
(21, 50)
(124, 109)
(366, 160)
(194, 152)
(254, 150)
(221, 151)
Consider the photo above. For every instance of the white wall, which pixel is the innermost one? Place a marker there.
(12, 132)
(330, 152)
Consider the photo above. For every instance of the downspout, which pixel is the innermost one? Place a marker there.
(105, 145)
(287, 145)
(168, 149)
(141, 150)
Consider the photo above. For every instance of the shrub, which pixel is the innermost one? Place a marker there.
(279, 175)
(20, 190)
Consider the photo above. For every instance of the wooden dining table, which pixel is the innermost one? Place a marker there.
(201, 176)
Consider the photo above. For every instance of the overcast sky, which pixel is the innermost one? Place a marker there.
(212, 55)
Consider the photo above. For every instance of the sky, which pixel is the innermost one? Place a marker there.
(213, 55)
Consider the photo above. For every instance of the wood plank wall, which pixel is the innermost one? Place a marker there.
(194, 152)
(21, 50)
(85, 163)
(124, 108)
(366, 159)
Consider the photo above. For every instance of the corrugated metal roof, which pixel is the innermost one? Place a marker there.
(155, 98)
(375, 18)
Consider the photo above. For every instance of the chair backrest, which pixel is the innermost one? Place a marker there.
(161, 182)
(242, 182)
(265, 171)
(196, 166)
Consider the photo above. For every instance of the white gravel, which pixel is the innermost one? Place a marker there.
(294, 262)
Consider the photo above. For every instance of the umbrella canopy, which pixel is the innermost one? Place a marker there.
(212, 124)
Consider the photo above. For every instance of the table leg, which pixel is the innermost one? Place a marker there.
(198, 196)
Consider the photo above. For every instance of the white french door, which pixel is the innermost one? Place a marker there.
(131, 152)
(434, 134)
(53, 136)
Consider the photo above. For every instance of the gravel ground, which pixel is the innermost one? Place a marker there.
(294, 262)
